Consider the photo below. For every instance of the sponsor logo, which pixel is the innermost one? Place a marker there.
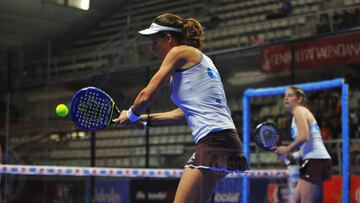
(213, 74)
(227, 197)
(13, 169)
(51, 170)
(109, 197)
(140, 195)
(68, 171)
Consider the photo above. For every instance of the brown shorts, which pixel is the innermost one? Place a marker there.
(316, 169)
(219, 151)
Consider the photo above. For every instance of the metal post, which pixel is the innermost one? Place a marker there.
(92, 164)
(345, 143)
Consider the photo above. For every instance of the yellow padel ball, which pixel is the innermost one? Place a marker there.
(62, 110)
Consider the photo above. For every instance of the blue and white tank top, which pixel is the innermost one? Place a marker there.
(314, 147)
(200, 94)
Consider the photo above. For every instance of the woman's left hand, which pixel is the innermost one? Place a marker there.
(282, 149)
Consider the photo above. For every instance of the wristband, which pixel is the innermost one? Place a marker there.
(131, 116)
(285, 159)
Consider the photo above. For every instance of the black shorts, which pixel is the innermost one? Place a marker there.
(219, 151)
(316, 169)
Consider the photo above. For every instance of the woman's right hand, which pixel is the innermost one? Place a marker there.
(124, 121)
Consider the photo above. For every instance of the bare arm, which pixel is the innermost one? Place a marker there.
(177, 58)
(173, 117)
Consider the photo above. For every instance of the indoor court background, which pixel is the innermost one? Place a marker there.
(51, 48)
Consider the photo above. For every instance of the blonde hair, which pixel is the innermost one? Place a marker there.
(192, 31)
(300, 94)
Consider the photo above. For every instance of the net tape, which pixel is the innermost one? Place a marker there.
(119, 172)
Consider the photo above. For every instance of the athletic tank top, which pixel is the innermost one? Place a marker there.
(200, 94)
(313, 148)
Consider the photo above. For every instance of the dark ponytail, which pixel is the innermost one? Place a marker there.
(192, 31)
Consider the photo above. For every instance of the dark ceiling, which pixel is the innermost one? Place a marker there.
(28, 25)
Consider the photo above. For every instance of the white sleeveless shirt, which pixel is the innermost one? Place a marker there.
(200, 94)
(313, 148)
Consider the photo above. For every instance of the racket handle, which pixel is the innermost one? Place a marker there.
(291, 157)
(294, 156)
(284, 158)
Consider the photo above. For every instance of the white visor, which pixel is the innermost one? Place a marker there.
(155, 28)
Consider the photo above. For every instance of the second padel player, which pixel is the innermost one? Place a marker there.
(306, 134)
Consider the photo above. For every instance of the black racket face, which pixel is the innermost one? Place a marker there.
(267, 135)
(91, 108)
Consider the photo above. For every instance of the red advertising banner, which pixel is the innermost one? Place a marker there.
(333, 190)
(324, 52)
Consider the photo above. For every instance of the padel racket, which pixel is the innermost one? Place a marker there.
(92, 109)
(267, 136)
